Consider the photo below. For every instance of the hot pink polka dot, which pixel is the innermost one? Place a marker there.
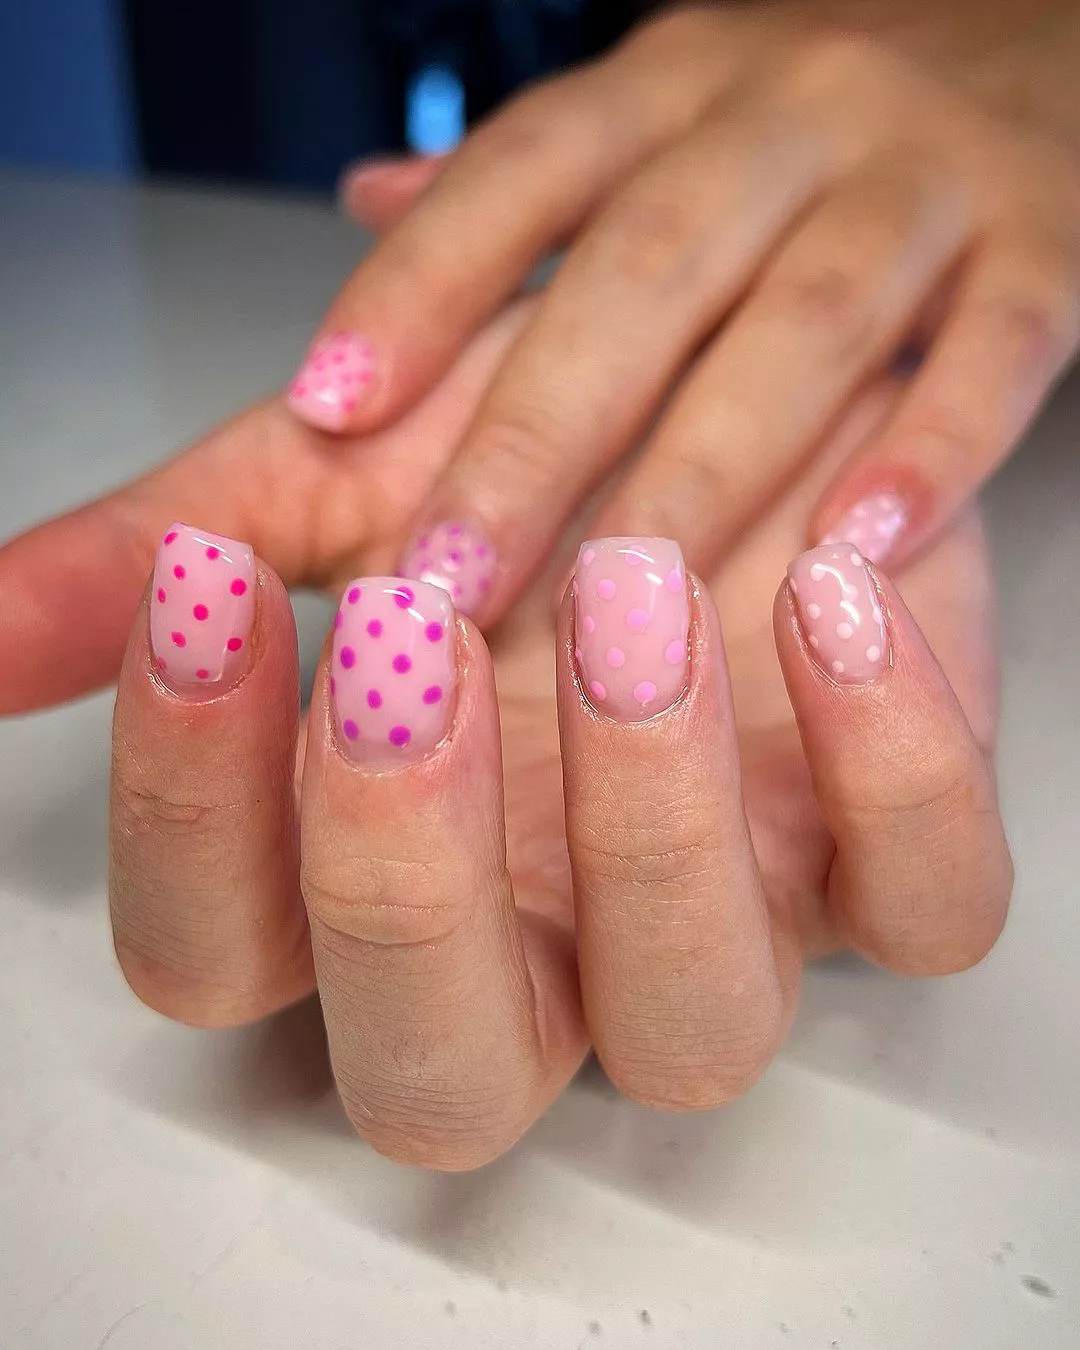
(374, 698)
(350, 729)
(201, 613)
(339, 619)
(354, 595)
(213, 553)
(675, 652)
(202, 674)
(433, 632)
(645, 692)
(402, 663)
(239, 586)
(170, 537)
(161, 596)
(374, 627)
(399, 736)
(403, 597)
(616, 658)
(634, 559)
(637, 620)
(455, 531)
(179, 572)
(455, 556)
(605, 588)
(347, 658)
(432, 693)
(234, 644)
(179, 640)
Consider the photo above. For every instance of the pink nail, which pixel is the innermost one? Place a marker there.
(872, 525)
(458, 557)
(201, 609)
(631, 624)
(840, 613)
(394, 668)
(334, 378)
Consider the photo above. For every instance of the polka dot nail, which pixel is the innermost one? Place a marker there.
(455, 556)
(840, 612)
(632, 618)
(873, 525)
(201, 607)
(394, 668)
(333, 380)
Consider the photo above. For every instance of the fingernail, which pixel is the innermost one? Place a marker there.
(631, 624)
(335, 376)
(839, 612)
(872, 525)
(202, 608)
(393, 670)
(458, 557)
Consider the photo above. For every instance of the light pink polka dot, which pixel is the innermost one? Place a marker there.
(813, 611)
(856, 560)
(637, 620)
(817, 572)
(597, 690)
(588, 625)
(616, 658)
(588, 557)
(838, 667)
(675, 652)
(605, 589)
(674, 580)
(634, 559)
(645, 692)
(873, 653)
(844, 630)
(814, 641)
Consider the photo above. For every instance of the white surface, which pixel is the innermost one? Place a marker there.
(911, 1159)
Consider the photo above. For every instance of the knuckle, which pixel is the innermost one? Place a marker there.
(649, 238)
(525, 446)
(1042, 333)
(143, 808)
(383, 902)
(832, 296)
(646, 858)
(834, 58)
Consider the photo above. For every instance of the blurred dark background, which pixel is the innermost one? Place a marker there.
(280, 92)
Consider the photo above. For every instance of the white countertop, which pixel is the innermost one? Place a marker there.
(907, 1176)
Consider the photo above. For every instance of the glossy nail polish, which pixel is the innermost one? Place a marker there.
(393, 669)
(631, 621)
(335, 376)
(455, 556)
(873, 525)
(840, 612)
(201, 609)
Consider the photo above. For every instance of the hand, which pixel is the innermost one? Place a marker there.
(707, 852)
(761, 216)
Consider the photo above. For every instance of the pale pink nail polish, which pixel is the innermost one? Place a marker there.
(393, 669)
(201, 608)
(632, 618)
(872, 525)
(458, 557)
(840, 612)
(335, 377)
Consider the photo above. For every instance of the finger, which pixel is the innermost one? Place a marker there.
(451, 1026)
(1014, 328)
(830, 308)
(636, 296)
(378, 193)
(921, 877)
(517, 186)
(204, 867)
(683, 992)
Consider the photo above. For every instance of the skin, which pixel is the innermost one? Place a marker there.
(707, 853)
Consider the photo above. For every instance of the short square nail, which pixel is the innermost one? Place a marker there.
(393, 669)
(631, 622)
(455, 556)
(872, 525)
(201, 609)
(335, 377)
(840, 612)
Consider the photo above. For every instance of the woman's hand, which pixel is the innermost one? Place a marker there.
(427, 870)
(762, 214)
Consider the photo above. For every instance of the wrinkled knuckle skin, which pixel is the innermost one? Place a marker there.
(650, 241)
(383, 905)
(830, 297)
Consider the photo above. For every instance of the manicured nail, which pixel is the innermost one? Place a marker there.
(202, 608)
(631, 623)
(335, 376)
(393, 669)
(458, 557)
(839, 612)
(872, 525)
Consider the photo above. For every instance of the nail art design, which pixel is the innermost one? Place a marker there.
(872, 525)
(632, 618)
(202, 607)
(335, 376)
(840, 612)
(394, 669)
(455, 556)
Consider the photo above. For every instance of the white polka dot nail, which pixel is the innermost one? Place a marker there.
(839, 612)
(872, 525)
(632, 618)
